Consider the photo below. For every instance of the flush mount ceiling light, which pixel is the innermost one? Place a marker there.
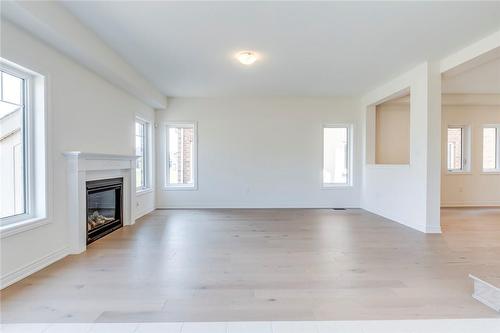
(246, 57)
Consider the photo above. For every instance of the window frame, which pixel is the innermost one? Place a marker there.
(465, 152)
(349, 151)
(28, 146)
(146, 154)
(497, 150)
(179, 187)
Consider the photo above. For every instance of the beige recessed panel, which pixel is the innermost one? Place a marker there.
(392, 138)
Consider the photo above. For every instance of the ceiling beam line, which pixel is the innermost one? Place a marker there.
(60, 29)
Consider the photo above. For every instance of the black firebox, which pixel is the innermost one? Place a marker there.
(104, 207)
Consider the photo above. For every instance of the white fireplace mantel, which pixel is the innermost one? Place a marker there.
(83, 167)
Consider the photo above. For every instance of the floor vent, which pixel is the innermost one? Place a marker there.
(339, 209)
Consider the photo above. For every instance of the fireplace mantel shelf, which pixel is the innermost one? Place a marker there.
(98, 156)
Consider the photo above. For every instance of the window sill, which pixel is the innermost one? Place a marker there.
(458, 173)
(335, 186)
(493, 172)
(22, 226)
(388, 166)
(143, 191)
(180, 188)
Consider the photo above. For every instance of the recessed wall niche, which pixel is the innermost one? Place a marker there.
(388, 130)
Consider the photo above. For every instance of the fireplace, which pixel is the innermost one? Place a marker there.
(104, 207)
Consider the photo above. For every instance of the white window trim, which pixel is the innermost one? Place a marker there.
(27, 146)
(147, 155)
(181, 187)
(466, 149)
(350, 154)
(36, 152)
(497, 169)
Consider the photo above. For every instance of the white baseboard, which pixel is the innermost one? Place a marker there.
(470, 204)
(223, 206)
(144, 212)
(19, 274)
(396, 219)
(434, 230)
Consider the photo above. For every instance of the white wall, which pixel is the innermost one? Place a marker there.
(85, 113)
(408, 194)
(474, 188)
(259, 152)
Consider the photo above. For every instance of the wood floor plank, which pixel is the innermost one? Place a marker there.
(266, 265)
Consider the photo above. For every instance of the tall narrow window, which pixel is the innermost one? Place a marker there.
(142, 151)
(457, 157)
(181, 155)
(13, 145)
(336, 155)
(22, 148)
(491, 148)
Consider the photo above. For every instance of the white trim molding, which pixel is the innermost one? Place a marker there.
(22, 226)
(465, 204)
(19, 274)
(145, 212)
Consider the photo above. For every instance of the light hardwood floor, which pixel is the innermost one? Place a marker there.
(275, 264)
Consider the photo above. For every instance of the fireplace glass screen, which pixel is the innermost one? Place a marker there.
(103, 207)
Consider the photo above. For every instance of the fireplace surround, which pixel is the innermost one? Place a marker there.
(87, 168)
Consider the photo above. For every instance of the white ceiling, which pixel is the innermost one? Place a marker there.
(307, 48)
(482, 79)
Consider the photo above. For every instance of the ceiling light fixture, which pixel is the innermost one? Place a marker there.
(246, 57)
